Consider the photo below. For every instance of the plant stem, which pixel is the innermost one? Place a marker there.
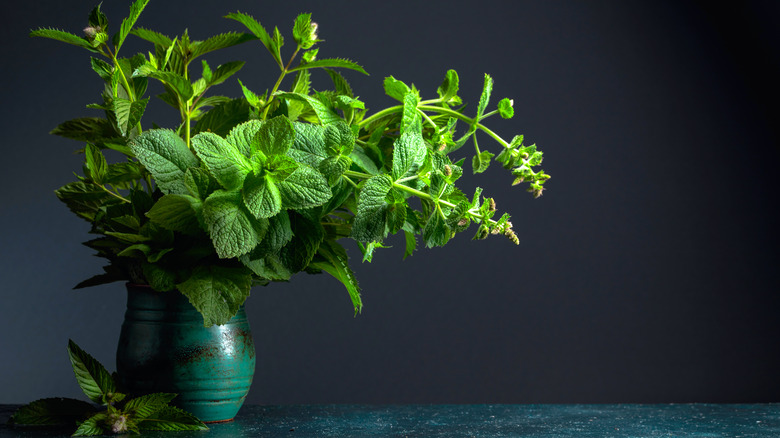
(279, 82)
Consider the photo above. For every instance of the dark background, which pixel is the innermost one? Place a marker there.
(646, 273)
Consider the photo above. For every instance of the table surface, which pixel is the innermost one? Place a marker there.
(453, 421)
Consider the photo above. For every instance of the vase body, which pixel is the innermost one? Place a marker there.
(163, 347)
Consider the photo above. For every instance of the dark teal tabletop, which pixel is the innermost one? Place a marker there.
(452, 421)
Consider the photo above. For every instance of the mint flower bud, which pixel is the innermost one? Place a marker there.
(447, 170)
(90, 32)
(118, 423)
(313, 30)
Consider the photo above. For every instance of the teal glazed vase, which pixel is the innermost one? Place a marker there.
(163, 347)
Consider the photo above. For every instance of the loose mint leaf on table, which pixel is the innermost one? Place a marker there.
(166, 156)
(146, 405)
(225, 161)
(52, 412)
(170, 418)
(93, 379)
(217, 292)
(92, 426)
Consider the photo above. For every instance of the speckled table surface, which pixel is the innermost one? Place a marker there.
(452, 421)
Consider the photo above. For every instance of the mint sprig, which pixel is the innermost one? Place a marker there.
(121, 415)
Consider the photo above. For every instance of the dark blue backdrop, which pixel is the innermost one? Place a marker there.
(646, 273)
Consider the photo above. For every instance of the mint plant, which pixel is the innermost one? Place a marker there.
(121, 415)
(251, 190)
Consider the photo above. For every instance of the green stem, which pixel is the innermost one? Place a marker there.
(279, 82)
(422, 195)
(116, 195)
(380, 114)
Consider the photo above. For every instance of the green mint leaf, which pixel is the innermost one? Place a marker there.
(304, 188)
(277, 41)
(363, 161)
(97, 18)
(232, 230)
(153, 37)
(411, 243)
(487, 88)
(278, 235)
(276, 136)
(52, 412)
(128, 113)
(222, 118)
(281, 166)
(146, 405)
(436, 232)
(411, 120)
(94, 425)
(85, 129)
(340, 84)
(334, 167)
(224, 71)
(307, 236)
(177, 213)
(224, 160)
(409, 153)
(65, 37)
(310, 55)
(95, 163)
(448, 91)
(396, 216)
(372, 206)
(261, 196)
(92, 377)
(505, 108)
(334, 261)
(177, 82)
(166, 156)
(200, 183)
(269, 267)
(102, 68)
(331, 63)
(170, 418)
(481, 161)
(309, 144)
(83, 199)
(244, 137)
(250, 96)
(127, 24)
(325, 114)
(159, 278)
(259, 31)
(221, 41)
(339, 138)
(302, 82)
(304, 33)
(217, 292)
(395, 88)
